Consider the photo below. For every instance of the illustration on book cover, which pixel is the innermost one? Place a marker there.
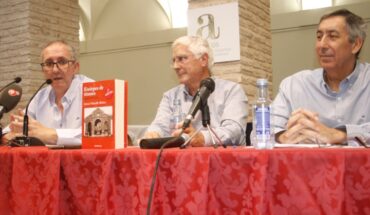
(98, 122)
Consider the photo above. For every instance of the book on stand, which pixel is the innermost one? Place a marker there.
(104, 114)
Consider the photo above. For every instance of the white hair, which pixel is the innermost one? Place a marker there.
(197, 45)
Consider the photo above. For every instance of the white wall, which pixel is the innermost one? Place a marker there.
(115, 49)
(143, 60)
(121, 18)
(288, 6)
(130, 40)
(293, 40)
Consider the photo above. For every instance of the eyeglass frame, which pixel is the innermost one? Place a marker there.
(181, 59)
(57, 63)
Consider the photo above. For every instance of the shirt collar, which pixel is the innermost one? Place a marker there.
(345, 83)
(68, 96)
(185, 90)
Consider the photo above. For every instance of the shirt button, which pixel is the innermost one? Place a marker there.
(339, 98)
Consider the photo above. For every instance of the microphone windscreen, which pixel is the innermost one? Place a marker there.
(156, 143)
(10, 97)
(49, 81)
(209, 83)
(17, 79)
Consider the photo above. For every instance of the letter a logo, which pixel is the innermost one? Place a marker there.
(208, 27)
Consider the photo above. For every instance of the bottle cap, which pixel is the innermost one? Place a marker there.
(262, 82)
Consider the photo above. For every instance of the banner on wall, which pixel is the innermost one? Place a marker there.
(218, 24)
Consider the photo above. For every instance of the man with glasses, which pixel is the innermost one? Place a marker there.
(192, 60)
(55, 112)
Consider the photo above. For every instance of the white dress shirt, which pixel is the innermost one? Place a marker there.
(228, 108)
(349, 107)
(68, 124)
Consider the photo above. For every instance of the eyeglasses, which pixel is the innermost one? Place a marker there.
(61, 64)
(180, 59)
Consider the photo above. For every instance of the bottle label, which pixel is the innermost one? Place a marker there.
(177, 115)
(262, 115)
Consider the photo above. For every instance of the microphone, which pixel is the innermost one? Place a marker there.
(206, 118)
(156, 143)
(16, 80)
(25, 140)
(9, 98)
(25, 118)
(207, 86)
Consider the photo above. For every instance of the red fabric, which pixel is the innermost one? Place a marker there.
(36, 180)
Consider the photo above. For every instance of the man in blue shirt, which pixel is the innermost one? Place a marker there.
(192, 60)
(55, 112)
(329, 104)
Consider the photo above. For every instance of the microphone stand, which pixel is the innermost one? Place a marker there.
(190, 138)
(206, 122)
(26, 140)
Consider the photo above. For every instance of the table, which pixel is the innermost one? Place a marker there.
(36, 180)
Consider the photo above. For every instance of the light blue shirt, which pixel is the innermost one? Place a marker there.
(350, 107)
(228, 107)
(69, 124)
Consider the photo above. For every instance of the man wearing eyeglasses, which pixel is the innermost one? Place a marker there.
(55, 112)
(192, 60)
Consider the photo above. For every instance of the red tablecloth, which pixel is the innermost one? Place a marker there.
(191, 181)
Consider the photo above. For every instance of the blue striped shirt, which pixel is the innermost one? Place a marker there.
(228, 112)
(349, 107)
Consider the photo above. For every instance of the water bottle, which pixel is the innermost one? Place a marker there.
(177, 115)
(262, 133)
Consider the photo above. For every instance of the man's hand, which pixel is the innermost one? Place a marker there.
(8, 136)
(152, 134)
(304, 126)
(45, 134)
(196, 141)
(35, 129)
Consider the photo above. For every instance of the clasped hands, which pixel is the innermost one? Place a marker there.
(304, 127)
(35, 129)
(197, 140)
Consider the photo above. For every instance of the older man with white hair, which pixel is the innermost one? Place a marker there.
(192, 60)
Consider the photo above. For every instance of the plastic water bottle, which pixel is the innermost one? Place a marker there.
(262, 133)
(177, 115)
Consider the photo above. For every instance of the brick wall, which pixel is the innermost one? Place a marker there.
(25, 26)
(255, 41)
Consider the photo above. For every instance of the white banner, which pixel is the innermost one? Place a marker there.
(220, 26)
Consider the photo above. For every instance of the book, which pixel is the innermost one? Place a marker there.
(104, 114)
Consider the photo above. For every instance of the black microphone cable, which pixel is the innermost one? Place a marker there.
(151, 192)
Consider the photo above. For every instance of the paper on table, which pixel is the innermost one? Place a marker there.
(305, 145)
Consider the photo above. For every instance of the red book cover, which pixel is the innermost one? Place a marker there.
(104, 115)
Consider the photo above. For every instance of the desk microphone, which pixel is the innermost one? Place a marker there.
(207, 86)
(25, 118)
(25, 140)
(16, 80)
(157, 143)
(9, 98)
